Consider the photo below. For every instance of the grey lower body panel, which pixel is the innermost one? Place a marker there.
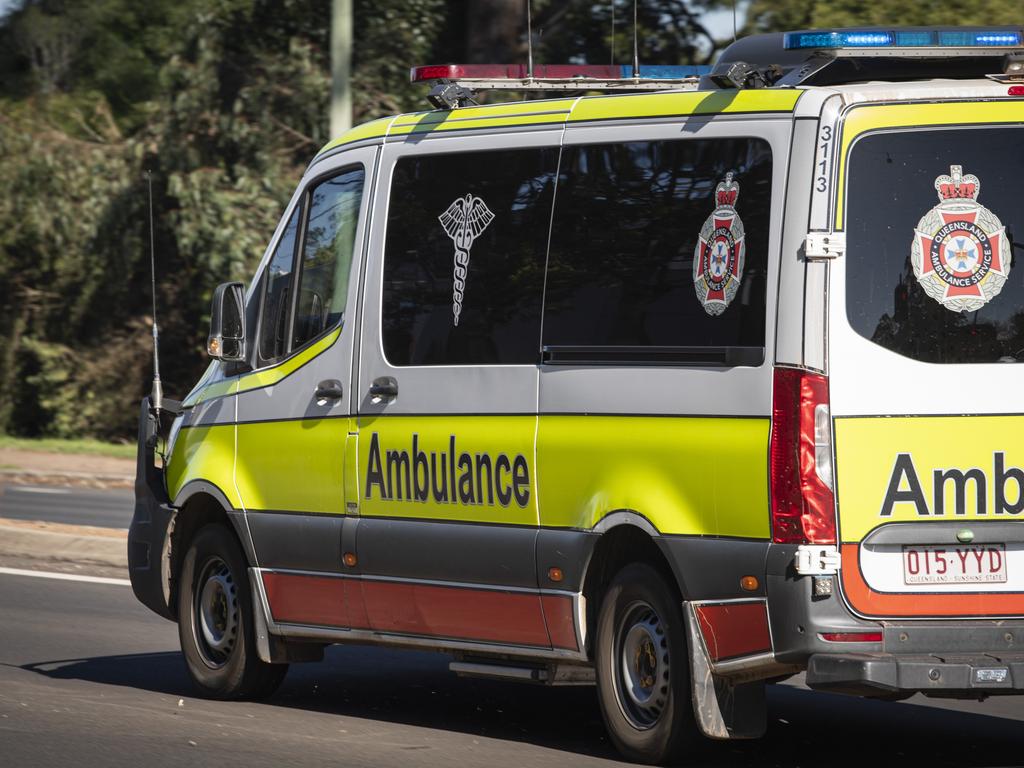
(430, 550)
(710, 568)
(309, 542)
(798, 617)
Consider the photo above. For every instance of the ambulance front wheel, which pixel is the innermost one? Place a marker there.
(215, 621)
(643, 670)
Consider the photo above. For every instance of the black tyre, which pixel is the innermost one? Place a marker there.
(215, 621)
(643, 668)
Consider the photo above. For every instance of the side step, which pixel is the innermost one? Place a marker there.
(554, 674)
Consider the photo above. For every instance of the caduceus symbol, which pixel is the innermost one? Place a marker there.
(464, 221)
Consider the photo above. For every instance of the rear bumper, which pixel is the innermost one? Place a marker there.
(868, 674)
(148, 544)
(949, 657)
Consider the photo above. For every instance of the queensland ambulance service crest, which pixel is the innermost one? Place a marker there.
(718, 258)
(960, 255)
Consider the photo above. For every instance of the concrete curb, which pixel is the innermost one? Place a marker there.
(72, 479)
(87, 547)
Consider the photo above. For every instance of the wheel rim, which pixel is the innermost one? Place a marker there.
(215, 613)
(641, 660)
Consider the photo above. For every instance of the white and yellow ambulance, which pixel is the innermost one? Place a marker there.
(679, 391)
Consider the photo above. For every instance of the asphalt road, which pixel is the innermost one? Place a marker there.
(75, 506)
(88, 677)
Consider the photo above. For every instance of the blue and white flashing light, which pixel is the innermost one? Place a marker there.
(966, 37)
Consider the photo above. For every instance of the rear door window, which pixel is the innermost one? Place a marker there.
(659, 253)
(934, 221)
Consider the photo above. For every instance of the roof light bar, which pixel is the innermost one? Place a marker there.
(966, 37)
(551, 72)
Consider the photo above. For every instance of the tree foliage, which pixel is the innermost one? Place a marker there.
(781, 15)
(224, 102)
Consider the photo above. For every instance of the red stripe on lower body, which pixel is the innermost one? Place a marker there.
(732, 630)
(408, 608)
(296, 599)
(515, 618)
(561, 621)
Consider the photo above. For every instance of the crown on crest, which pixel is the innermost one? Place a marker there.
(727, 191)
(956, 186)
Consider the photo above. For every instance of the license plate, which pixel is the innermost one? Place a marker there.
(977, 564)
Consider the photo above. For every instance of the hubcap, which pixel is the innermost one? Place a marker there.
(215, 613)
(642, 665)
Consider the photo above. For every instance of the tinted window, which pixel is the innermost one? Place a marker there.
(930, 272)
(629, 219)
(277, 295)
(464, 257)
(327, 254)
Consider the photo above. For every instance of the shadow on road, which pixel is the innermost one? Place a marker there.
(415, 688)
(155, 672)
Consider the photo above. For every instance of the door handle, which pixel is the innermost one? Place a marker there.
(385, 386)
(329, 389)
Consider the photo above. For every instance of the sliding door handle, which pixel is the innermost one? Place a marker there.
(384, 387)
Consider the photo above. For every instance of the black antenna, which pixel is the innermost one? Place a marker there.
(156, 397)
(734, 21)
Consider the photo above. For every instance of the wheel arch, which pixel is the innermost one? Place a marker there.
(200, 503)
(625, 536)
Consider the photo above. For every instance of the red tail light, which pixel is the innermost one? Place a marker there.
(852, 637)
(802, 503)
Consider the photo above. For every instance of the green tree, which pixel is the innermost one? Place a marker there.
(224, 101)
(780, 15)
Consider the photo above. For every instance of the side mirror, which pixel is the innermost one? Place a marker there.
(227, 323)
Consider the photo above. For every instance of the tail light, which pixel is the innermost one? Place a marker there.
(802, 502)
(851, 637)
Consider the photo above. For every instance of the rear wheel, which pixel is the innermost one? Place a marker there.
(643, 668)
(215, 620)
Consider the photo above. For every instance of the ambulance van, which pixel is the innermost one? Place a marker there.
(677, 383)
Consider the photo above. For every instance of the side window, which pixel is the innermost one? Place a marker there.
(464, 257)
(277, 294)
(659, 252)
(327, 254)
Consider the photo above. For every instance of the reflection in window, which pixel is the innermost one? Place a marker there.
(327, 254)
(277, 295)
(627, 221)
(496, 299)
(891, 187)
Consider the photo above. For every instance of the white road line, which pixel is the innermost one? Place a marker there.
(34, 489)
(65, 576)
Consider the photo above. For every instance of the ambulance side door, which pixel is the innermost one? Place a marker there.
(448, 388)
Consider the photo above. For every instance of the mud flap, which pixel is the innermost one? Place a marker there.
(270, 648)
(723, 710)
(259, 618)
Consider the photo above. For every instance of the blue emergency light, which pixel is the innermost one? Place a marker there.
(964, 37)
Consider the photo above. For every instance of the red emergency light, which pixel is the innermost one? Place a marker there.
(603, 72)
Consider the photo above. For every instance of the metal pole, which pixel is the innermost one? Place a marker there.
(636, 46)
(341, 66)
(529, 41)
